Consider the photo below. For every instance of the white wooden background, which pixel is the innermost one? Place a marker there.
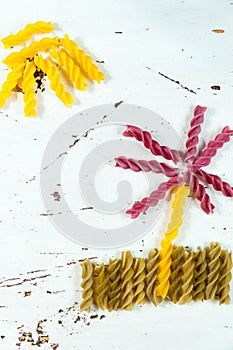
(39, 268)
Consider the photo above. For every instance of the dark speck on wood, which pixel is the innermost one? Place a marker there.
(86, 208)
(118, 32)
(118, 104)
(215, 87)
(99, 61)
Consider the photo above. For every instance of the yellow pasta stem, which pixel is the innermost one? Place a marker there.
(82, 59)
(30, 51)
(70, 67)
(28, 88)
(55, 82)
(26, 33)
(10, 83)
(173, 229)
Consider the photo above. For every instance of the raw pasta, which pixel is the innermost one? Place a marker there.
(187, 279)
(55, 82)
(114, 290)
(11, 82)
(30, 51)
(151, 276)
(213, 269)
(173, 228)
(178, 258)
(26, 33)
(199, 274)
(102, 287)
(223, 290)
(70, 68)
(28, 88)
(87, 285)
(127, 281)
(139, 281)
(84, 61)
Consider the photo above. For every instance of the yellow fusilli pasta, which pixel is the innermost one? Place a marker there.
(55, 82)
(30, 51)
(28, 89)
(26, 33)
(84, 61)
(70, 67)
(11, 82)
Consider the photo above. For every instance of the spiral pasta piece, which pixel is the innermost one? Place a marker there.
(173, 229)
(213, 270)
(28, 88)
(25, 34)
(70, 67)
(114, 290)
(199, 274)
(178, 258)
(55, 82)
(11, 82)
(30, 51)
(139, 281)
(101, 287)
(87, 285)
(152, 263)
(223, 291)
(84, 61)
(127, 281)
(187, 279)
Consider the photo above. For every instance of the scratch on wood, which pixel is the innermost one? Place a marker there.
(25, 280)
(178, 83)
(118, 104)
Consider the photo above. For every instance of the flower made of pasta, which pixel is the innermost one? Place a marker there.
(194, 159)
(57, 58)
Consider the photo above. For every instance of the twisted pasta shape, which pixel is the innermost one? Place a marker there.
(55, 82)
(26, 33)
(30, 51)
(146, 166)
(151, 276)
(146, 138)
(114, 290)
(213, 269)
(177, 257)
(139, 281)
(199, 274)
(82, 59)
(102, 287)
(87, 284)
(225, 278)
(11, 82)
(70, 67)
(173, 229)
(28, 88)
(127, 281)
(187, 279)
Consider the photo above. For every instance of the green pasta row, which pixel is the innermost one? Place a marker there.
(199, 275)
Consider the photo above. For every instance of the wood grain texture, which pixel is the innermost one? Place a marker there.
(155, 54)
